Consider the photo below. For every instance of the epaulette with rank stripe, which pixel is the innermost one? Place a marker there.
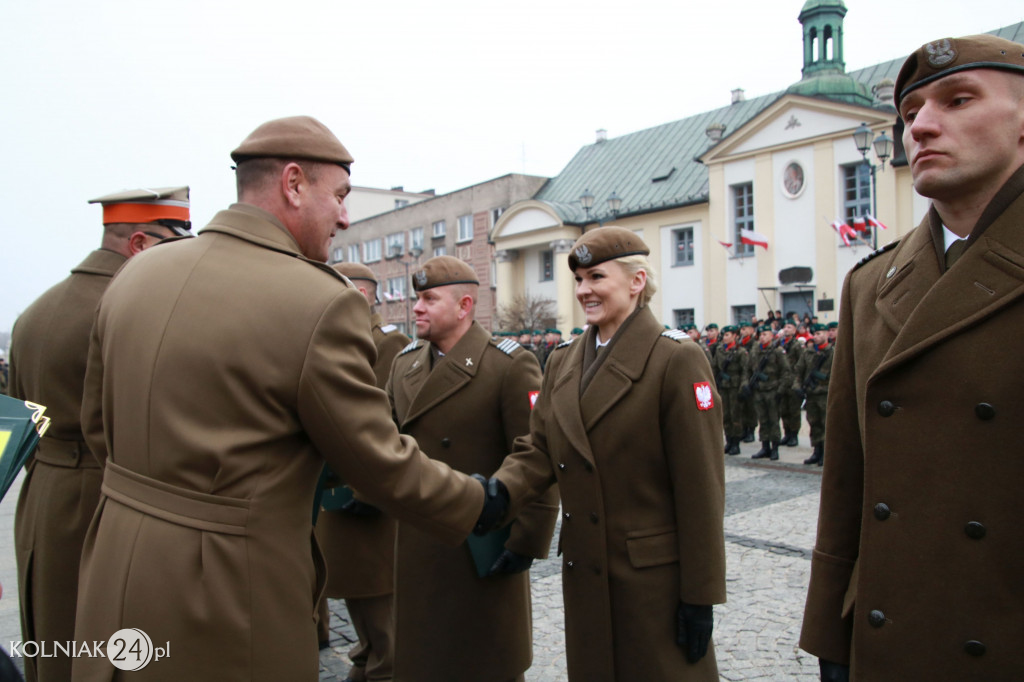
(888, 247)
(388, 328)
(675, 334)
(564, 344)
(508, 346)
(413, 345)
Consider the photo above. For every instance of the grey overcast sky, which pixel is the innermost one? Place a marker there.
(111, 94)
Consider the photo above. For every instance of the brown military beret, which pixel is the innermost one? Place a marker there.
(296, 137)
(356, 271)
(951, 55)
(442, 270)
(605, 243)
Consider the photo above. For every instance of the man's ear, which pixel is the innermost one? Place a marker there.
(465, 306)
(293, 184)
(137, 243)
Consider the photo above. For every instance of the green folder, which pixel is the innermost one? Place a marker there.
(487, 548)
(21, 425)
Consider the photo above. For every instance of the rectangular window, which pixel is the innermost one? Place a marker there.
(683, 241)
(416, 238)
(465, 228)
(337, 254)
(742, 313)
(743, 215)
(496, 213)
(857, 198)
(353, 253)
(682, 316)
(547, 266)
(394, 289)
(371, 251)
(439, 229)
(401, 203)
(396, 244)
(440, 251)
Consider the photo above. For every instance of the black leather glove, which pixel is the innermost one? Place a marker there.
(694, 624)
(357, 508)
(745, 392)
(509, 562)
(495, 504)
(833, 672)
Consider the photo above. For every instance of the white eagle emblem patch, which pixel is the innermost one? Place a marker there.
(421, 277)
(583, 255)
(702, 391)
(940, 53)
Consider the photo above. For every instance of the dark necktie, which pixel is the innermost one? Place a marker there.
(955, 251)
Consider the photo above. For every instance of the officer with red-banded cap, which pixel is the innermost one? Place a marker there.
(49, 346)
(916, 572)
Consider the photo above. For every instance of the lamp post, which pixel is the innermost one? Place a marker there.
(395, 253)
(587, 203)
(883, 145)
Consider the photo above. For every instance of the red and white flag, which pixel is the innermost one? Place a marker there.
(844, 231)
(860, 224)
(727, 245)
(874, 222)
(754, 238)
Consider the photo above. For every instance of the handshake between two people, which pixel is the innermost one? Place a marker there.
(495, 505)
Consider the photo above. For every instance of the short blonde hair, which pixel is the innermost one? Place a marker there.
(634, 264)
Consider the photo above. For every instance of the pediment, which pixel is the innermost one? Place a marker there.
(523, 217)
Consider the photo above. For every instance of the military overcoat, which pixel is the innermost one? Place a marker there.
(223, 371)
(451, 624)
(638, 461)
(916, 572)
(360, 550)
(49, 349)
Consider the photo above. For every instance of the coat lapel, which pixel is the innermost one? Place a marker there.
(932, 308)
(624, 365)
(565, 398)
(451, 373)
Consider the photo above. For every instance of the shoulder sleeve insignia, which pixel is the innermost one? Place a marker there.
(675, 335)
(388, 328)
(888, 247)
(508, 346)
(413, 345)
(564, 344)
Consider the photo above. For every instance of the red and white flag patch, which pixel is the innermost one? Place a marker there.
(705, 398)
(533, 398)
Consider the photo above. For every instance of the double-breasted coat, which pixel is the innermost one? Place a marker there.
(223, 371)
(451, 624)
(360, 550)
(916, 572)
(638, 461)
(49, 349)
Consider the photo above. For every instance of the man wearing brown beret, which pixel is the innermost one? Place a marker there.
(49, 347)
(916, 572)
(465, 399)
(223, 371)
(357, 539)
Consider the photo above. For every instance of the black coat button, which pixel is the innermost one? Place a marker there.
(876, 618)
(984, 411)
(561, 466)
(974, 648)
(886, 408)
(975, 530)
(594, 517)
(882, 511)
(446, 442)
(566, 515)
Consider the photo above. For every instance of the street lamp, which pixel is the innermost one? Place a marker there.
(587, 202)
(395, 252)
(883, 145)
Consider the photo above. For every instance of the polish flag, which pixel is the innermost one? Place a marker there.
(727, 245)
(844, 230)
(860, 224)
(754, 238)
(874, 222)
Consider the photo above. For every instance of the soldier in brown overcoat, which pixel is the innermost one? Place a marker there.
(223, 371)
(628, 423)
(916, 572)
(358, 541)
(465, 399)
(49, 347)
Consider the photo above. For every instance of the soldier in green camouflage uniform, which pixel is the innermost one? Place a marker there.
(731, 373)
(811, 380)
(712, 341)
(789, 401)
(748, 340)
(769, 376)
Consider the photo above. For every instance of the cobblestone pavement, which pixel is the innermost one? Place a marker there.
(770, 521)
(771, 512)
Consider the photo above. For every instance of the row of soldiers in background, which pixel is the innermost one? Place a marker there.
(538, 342)
(765, 380)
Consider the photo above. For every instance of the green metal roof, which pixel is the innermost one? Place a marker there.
(628, 165)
